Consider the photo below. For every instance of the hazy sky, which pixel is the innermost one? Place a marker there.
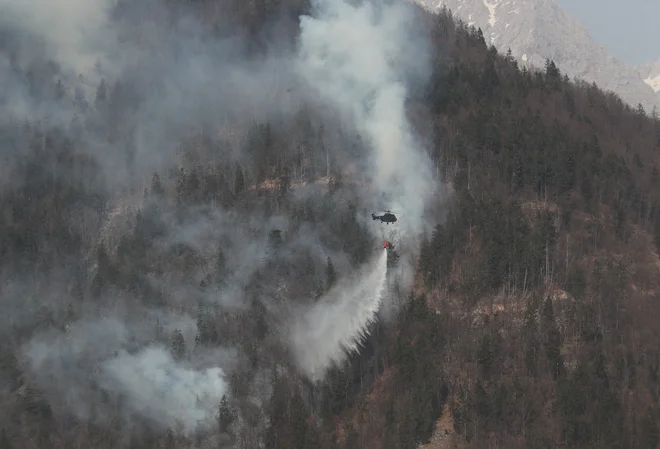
(629, 30)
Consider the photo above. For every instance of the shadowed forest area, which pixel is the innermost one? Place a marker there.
(532, 321)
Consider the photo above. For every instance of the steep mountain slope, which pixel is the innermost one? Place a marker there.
(154, 311)
(542, 278)
(536, 30)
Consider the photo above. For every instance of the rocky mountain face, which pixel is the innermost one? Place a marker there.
(536, 30)
(650, 73)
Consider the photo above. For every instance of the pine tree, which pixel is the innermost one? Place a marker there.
(158, 330)
(156, 187)
(225, 415)
(178, 344)
(59, 90)
(330, 274)
(275, 239)
(480, 37)
(552, 75)
(101, 98)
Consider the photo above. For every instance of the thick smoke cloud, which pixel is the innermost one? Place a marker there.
(70, 42)
(355, 60)
(358, 57)
(158, 387)
(110, 354)
(182, 78)
(75, 32)
(179, 79)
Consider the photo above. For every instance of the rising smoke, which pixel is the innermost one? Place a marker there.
(159, 388)
(71, 30)
(153, 385)
(355, 59)
(75, 34)
(358, 56)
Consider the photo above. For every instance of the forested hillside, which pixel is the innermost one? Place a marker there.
(168, 221)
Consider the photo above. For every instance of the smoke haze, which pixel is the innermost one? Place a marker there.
(159, 388)
(359, 57)
(103, 354)
(171, 87)
(70, 29)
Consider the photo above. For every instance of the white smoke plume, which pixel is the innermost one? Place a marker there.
(74, 31)
(358, 57)
(181, 78)
(92, 354)
(157, 387)
(335, 326)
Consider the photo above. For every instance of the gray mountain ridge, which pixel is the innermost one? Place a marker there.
(536, 30)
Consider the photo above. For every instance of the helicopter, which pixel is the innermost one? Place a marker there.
(387, 218)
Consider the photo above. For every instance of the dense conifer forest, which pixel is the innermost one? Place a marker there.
(531, 321)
